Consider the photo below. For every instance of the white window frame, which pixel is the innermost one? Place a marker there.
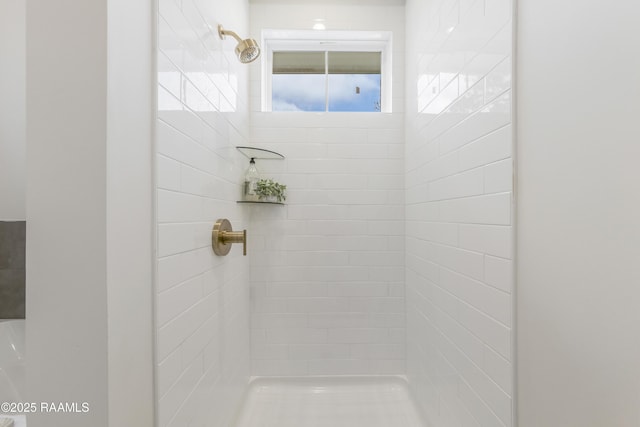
(332, 41)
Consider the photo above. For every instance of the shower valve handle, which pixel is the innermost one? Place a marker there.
(223, 236)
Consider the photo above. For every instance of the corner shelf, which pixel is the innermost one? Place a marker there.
(259, 153)
(259, 203)
(262, 154)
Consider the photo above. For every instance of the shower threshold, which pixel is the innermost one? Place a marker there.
(363, 401)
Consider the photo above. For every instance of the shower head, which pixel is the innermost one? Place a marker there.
(247, 49)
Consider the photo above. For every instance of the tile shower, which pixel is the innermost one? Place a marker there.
(369, 256)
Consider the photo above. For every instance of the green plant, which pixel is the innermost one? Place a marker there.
(268, 187)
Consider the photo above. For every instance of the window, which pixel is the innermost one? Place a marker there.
(326, 71)
(325, 81)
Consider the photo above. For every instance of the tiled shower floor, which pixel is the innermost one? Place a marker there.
(329, 402)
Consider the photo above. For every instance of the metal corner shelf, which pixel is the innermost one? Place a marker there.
(262, 154)
(259, 203)
(259, 153)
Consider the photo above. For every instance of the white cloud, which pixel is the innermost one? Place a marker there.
(282, 105)
(299, 88)
(303, 89)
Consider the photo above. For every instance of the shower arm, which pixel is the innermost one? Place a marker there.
(222, 32)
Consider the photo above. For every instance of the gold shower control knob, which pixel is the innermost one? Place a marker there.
(223, 236)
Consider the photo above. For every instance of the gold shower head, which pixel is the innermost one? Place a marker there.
(247, 49)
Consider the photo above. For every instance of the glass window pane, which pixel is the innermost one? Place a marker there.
(298, 92)
(354, 92)
(299, 81)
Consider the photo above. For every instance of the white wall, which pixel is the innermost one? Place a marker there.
(202, 300)
(578, 210)
(12, 110)
(129, 213)
(459, 211)
(66, 330)
(89, 287)
(327, 268)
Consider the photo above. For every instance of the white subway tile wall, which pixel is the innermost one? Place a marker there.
(459, 239)
(327, 269)
(202, 301)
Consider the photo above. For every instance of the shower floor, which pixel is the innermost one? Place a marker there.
(329, 402)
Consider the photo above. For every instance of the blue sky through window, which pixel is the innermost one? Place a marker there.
(354, 92)
(306, 92)
(298, 92)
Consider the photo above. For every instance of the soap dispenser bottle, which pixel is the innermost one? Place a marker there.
(251, 178)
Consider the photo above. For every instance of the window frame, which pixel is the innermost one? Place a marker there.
(327, 41)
